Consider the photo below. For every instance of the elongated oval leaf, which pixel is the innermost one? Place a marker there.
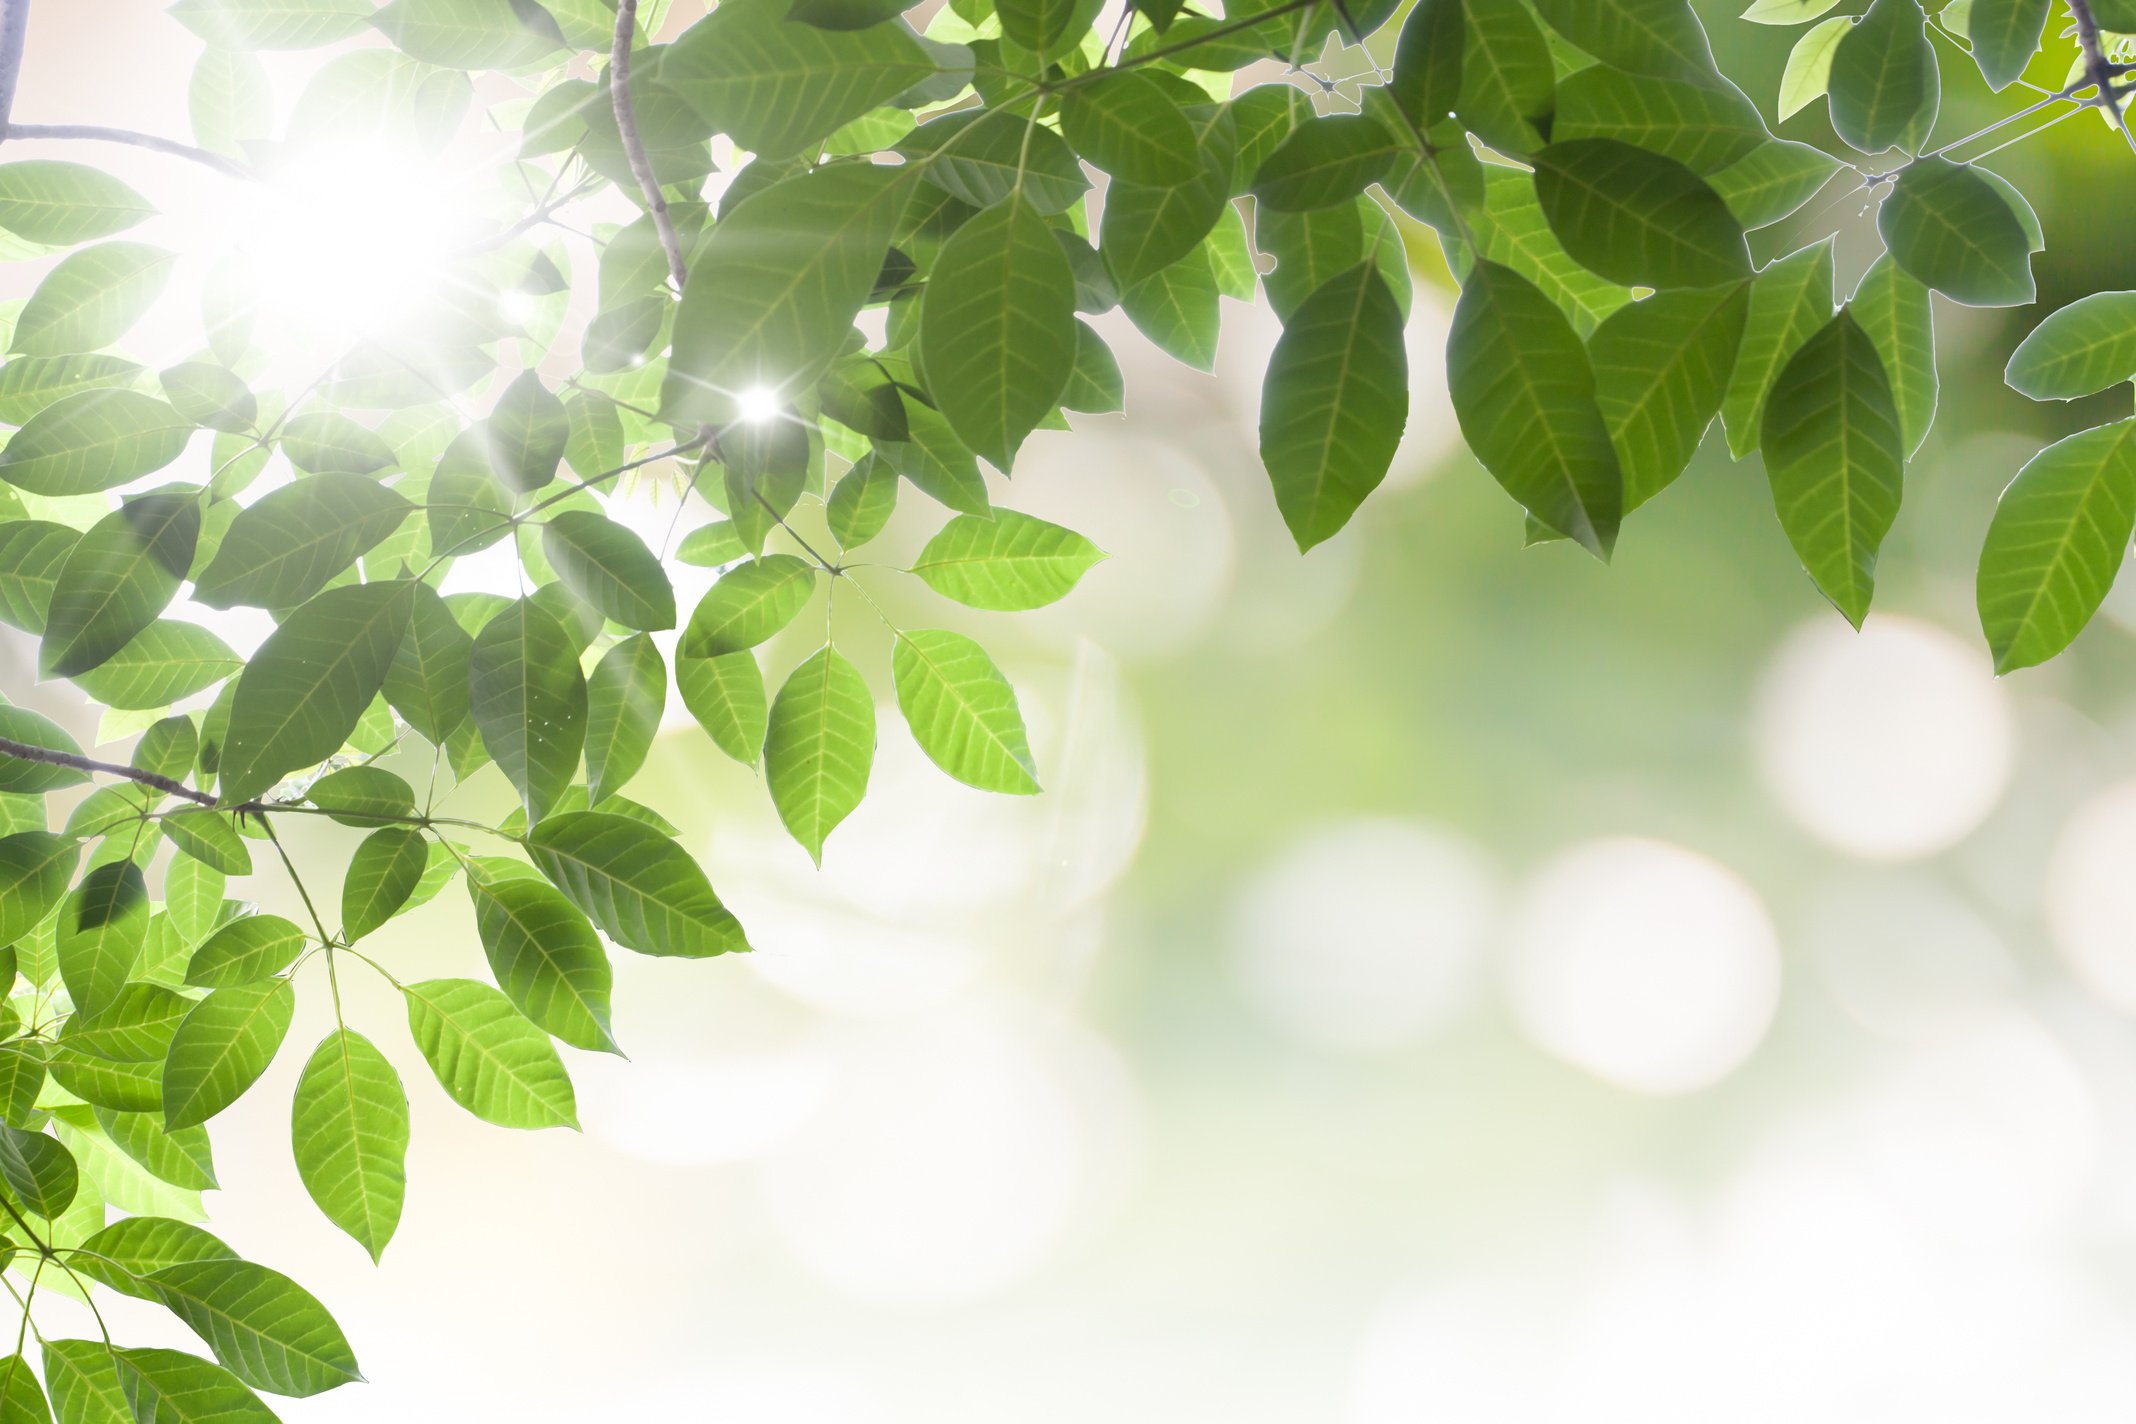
(221, 1049)
(528, 699)
(962, 711)
(610, 568)
(349, 1130)
(2080, 350)
(292, 542)
(487, 1057)
(726, 696)
(269, 1331)
(1011, 561)
(1883, 78)
(640, 887)
(382, 874)
(245, 951)
(93, 440)
(819, 747)
(546, 958)
(625, 696)
(117, 579)
(1951, 228)
(2060, 533)
(1636, 217)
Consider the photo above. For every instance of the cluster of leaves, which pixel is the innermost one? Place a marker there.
(866, 260)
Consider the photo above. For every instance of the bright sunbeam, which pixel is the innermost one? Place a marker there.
(758, 404)
(354, 239)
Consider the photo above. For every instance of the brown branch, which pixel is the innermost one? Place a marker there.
(641, 167)
(98, 133)
(49, 756)
(2098, 69)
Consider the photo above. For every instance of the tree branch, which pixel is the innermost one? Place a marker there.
(2097, 67)
(27, 751)
(100, 134)
(641, 167)
(14, 27)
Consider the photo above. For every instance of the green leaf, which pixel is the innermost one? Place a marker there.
(245, 951)
(265, 1328)
(83, 1378)
(962, 711)
(2080, 350)
(776, 87)
(293, 541)
(382, 874)
(1950, 228)
(101, 926)
(1636, 217)
(1094, 385)
(726, 696)
(22, 1401)
(2060, 533)
(1808, 76)
(819, 747)
(93, 440)
(118, 578)
(1524, 393)
(997, 328)
(328, 443)
(30, 383)
(1790, 301)
(937, 463)
(1011, 561)
(1426, 82)
(1786, 12)
(363, 796)
(1705, 129)
(207, 836)
(349, 1131)
(1661, 367)
(1517, 235)
(1894, 309)
(467, 34)
(181, 1158)
(1128, 124)
(860, 505)
(749, 604)
(610, 568)
(984, 155)
(61, 204)
(273, 24)
(1773, 182)
(528, 698)
(773, 291)
(35, 869)
(640, 887)
(123, 1254)
(625, 696)
(527, 434)
(1661, 38)
(210, 395)
(92, 298)
(302, 694)
(2005, 35)
(1333, 403)
(427, 681)
(1147, 227)
(1833, 454)
(221, 1049)
(172, 1387)
(1508, 83)
(1325, 161)
(1045, 27)
(546, 958)
(165, 662)
(32, 552)
(487, 1057)
(39, 1172)
(1883, 79)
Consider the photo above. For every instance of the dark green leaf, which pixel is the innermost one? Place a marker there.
(1636, 217)
(1883, 79)
(527, 434)
(2080, 350)
(528, 698)
(1950, 228)
(1326, 160)
(35, 870)
(1661, 367)
(1894, 309)
(610, 568)
(427, 682)
(165, 662)
(292, 542)
(2060, 533)
(38, 1171)
(118, 578)
(1128, 124)
(1790, 301)
(625, 696)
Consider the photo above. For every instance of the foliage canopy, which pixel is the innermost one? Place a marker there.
(864, 264)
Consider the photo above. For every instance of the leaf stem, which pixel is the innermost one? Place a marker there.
(641, 167)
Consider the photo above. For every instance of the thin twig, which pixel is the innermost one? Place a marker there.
(14, 27)
(641, 167)
(2097, 67)
(50, 757)
(100, 134)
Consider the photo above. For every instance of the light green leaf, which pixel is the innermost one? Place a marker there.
(92, 298)
(289, 544)
(382, 874)
(1517, 235)
(83, 1378)
(427, 681)
(527, 431)
(860, 504)
(32, 552)
(35, 870)
(1950, 228)
(1128, 124)
(118, 578)
(1894, 309)
(1333, 403)
(327, 442)
(610, 568)
(487, 1057)
(30, 383)
(546, 958)
(302, 694)
(749, 604)
(819, 747)
(997, 328)
(2060, 533)
(349, 1131)
(1833, 455)
(962, 711)
(93, 440)
(272, 24)
(172, 1387)
(21, 1399)
(181, 1158)
(776, 86)
(984, 155)
(101, 926)
(2005, 35)
(221, 1049)
(528, 699)
(39, 1172)
(1661, 367)
(363, 796)
(640, 887)
(132, 1026)
(1790, 301)
(245, 951)
(165, 662)
(726, 696)
(1786, 12)
(1773, 182)
(2080, 350)
(1808, 75)
(1011, 561)
(467, 34)
(937, 462)
(1147, 227)
(61, 204)
(208, 836)
(210, 395)
(265, 1328)
(625, 696)
(30, 776)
